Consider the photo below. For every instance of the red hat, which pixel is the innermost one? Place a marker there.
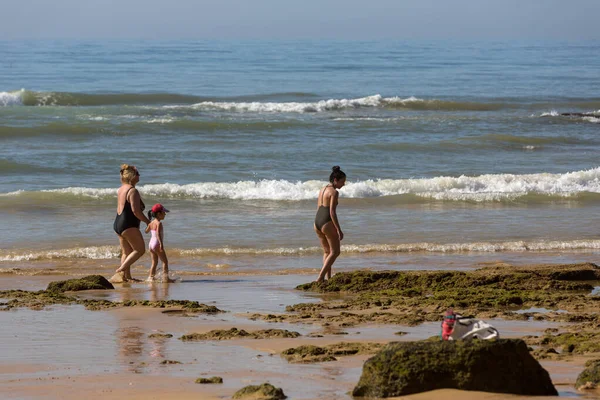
(159, 208)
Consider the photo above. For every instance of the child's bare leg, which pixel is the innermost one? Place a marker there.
(165, 261)
(153, 266)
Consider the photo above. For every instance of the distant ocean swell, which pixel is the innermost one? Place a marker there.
(131, 124)
(112, 252)
(483, 188)
(259, 103)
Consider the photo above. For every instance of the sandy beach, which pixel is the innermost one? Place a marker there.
(62, 351)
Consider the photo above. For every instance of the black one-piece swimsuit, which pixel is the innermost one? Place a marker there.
(323, 214)
(127, 218)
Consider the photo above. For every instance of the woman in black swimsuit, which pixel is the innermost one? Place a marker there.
(327, 226)
(130, 209)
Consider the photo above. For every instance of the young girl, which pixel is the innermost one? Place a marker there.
(157, 249)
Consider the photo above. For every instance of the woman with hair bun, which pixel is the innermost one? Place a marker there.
(130, 209)
(327, 225)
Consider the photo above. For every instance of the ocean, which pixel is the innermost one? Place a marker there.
(457, 153)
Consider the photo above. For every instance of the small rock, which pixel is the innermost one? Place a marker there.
(214, 379)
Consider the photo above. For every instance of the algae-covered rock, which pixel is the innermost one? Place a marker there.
(86, 283)
(234, 333)
(500, 366)
(581, 341)
(414, 283)
(214, 379)
(160, 336)
(307, 354)
(266, 391)
(589, 378)
(170, 362)
(311, 354)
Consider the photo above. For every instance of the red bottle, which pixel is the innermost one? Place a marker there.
(448, 324)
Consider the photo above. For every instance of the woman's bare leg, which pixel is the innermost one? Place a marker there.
(134, 237)
(125, 248)
(324, 245)
(333, 242)
(125, 251)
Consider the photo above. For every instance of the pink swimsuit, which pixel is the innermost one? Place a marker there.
(154, 241)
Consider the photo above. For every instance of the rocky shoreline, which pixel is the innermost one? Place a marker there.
(563, 294)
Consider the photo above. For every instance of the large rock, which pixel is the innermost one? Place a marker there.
(589, 378)
(501, 366)
(86, 283)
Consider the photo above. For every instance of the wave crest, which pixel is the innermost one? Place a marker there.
(93, 253)
(112, 252)
(376, 100)
(483, 188)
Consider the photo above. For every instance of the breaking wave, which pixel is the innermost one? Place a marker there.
(482, 188)
(112, 252)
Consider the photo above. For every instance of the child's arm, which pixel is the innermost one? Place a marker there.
(160, 235)
(148, 227)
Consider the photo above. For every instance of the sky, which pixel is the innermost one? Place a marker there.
(571, 20)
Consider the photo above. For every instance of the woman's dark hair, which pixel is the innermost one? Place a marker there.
(151, 215)
(336, 173)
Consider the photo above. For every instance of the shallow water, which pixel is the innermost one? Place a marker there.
(62, 341)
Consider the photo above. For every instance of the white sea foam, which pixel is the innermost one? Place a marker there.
(552, 113)
(482, 188)
(94, 253)
(160, 121)
(112, 252)
(12, 98)
(89, 117)
(594, 120)
(370, 119)
(300, 107)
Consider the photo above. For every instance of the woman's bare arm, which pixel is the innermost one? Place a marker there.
(333, 202)
(135, 206)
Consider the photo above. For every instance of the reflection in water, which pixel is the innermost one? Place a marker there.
(134, 348)
(157, 347)
(131, 347)
(159, 291)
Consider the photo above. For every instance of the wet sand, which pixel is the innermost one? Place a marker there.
(68, 352)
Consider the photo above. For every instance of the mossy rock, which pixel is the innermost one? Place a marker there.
(589, 378)
(214, 379)
(307, 354)
(90, 282)
(500, 366)
(312, 354)
(579, 342)
(415, 283)
(160, 336)
(234, 333)
(266, 391)
(170, 362)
